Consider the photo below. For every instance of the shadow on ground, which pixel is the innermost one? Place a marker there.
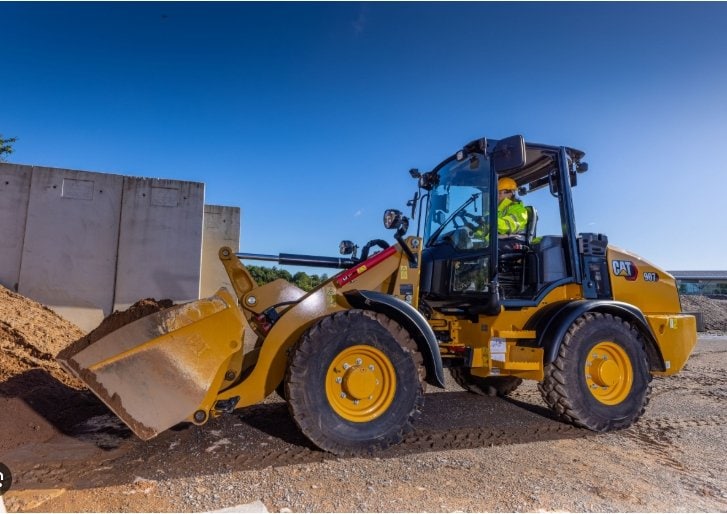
(256, 437)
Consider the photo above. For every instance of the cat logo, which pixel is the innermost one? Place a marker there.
(626, 269)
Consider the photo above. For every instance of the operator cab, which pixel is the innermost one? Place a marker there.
(463, 270)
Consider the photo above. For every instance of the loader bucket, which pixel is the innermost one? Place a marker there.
(163, 368)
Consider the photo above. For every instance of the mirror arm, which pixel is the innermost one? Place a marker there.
(399, 236)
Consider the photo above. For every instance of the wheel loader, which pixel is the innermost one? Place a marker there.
(590, 322)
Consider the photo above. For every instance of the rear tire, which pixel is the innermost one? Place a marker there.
(354, 383)
(600, 379)
(484, 386)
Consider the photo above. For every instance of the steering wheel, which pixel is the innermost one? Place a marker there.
(470, 220)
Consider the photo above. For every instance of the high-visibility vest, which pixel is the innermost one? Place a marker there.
(512, 217)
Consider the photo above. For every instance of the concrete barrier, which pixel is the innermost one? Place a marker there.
(160, 241)
(14, 195)
(86, 243)
(71, 235)
(221, 228)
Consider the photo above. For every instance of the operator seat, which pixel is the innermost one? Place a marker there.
(531, 227)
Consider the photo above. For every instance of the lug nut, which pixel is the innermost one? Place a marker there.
(339, 380)
(346, 365)
(371, 367)
(343, 395)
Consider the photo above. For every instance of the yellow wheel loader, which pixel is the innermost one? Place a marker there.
(590, 322)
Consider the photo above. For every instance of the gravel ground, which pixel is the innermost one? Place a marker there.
(468, 453)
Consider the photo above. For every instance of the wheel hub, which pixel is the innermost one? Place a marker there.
(606, 373)
(360, 383)
(609, 373)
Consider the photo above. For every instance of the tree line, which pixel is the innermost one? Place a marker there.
(306, 282)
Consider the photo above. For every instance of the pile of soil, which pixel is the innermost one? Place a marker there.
(30, 337)
(713, 309)
(44, 397)
(115, 321)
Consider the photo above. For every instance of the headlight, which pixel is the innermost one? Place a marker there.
(392, 218)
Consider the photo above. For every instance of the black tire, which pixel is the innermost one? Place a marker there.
(311, 377)
(281, 390)
(568, 383)
(485, 386)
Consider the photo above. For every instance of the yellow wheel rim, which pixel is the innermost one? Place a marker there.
(609, 373)
(360, 383)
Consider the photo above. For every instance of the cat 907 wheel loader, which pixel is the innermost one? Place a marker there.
(590, 322)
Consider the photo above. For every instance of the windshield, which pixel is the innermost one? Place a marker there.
(459, 204)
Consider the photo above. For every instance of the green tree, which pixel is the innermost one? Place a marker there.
(6, 146)
(263, 275)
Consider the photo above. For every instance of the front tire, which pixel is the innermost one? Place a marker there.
(354, 383)
(600, 379)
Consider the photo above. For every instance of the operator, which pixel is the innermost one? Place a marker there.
(512, 216)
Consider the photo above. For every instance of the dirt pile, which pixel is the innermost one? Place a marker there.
(30, 337)
(713, 309)
(115, 321)
(45, 399)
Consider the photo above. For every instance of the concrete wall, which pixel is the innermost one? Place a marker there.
(14, 195)
(221, 228)
(160, 241)
(71, 237)
(85, 244)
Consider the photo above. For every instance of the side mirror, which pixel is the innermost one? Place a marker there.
(393, 218)
(347, 247)
(509, 153)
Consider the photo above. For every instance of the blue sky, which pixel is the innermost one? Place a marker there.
(308, 115)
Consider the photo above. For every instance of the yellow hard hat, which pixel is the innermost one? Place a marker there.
(506, 183)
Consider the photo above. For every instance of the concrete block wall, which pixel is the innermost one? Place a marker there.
(14, 196)
(221, 228)
(85, 243)
(160, 241)
(71, 236)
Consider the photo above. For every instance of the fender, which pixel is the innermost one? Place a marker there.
(409, 318)
(553, 323)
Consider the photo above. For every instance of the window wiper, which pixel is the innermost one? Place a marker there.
(446, 222)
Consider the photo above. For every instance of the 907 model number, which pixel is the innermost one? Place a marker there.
(650, 276)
